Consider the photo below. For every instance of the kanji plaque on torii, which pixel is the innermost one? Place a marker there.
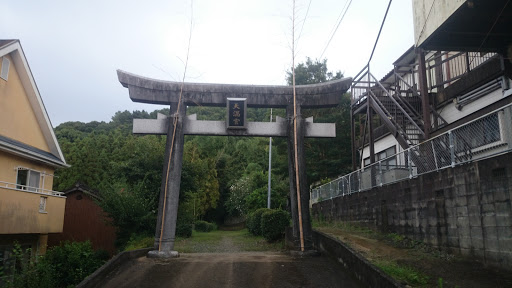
(180, 95)
(236, 108)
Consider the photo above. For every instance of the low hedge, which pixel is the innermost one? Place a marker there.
(203, 226)
(184, 230)
(274, 223)
(253, 222)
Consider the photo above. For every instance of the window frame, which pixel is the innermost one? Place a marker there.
(385, 156)
(4, 70)
(42, 204)
(27, 184)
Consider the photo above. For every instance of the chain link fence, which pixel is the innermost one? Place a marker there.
(481, 138)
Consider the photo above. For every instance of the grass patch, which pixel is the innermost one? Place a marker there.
(139, 242)
(225, 241)
(214, 241)
(402, 273)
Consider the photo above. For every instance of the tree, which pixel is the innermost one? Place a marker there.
(312, 72)
(325, 158)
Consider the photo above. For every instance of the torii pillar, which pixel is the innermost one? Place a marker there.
(153, 91)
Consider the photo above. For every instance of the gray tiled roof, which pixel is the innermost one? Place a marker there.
(6, 42)
(32, 149)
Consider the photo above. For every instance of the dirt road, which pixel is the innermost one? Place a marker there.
(248, 269)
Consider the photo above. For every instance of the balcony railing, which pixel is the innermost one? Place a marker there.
(13, 186)
(447, 67)
(484, 137)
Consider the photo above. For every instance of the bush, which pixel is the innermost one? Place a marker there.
(203, 226)
(29, 272)
(73, 261)
(184, 230)
(273, 224)
(253, 222)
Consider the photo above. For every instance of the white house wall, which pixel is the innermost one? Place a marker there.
(451, 114)
(381, 145)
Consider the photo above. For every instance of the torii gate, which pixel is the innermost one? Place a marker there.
(153, 91)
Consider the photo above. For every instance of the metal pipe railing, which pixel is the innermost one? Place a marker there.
(483, 137)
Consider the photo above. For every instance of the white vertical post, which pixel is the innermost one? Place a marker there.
(380, 173)
(269, 166)
(409, 162)
(434, 153)
(452, 147)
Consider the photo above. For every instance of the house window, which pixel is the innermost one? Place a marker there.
(42, 204)
(479, 133)
(4, 73)
(387, 163)
(28, 179)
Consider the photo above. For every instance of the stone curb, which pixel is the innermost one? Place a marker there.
(101, 273)
(367, 273)
(362, 269)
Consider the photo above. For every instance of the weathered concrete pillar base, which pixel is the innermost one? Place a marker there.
(163, 254)
(305, 253)
(308, 244)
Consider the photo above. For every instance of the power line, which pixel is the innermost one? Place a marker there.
(380, 30)
(336, 29)
(303, 22)
(339, 17)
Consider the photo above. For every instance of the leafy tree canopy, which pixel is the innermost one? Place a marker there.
(311, 72)
(325, 158)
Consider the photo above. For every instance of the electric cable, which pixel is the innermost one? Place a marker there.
(380, 30)
(336, 29)
(303, 22)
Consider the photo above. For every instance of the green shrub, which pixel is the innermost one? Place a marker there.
(73, 261)
(253, 222)
(62, 266)
(273, 224)
(203, 226)
(184, 230)
(29, 272)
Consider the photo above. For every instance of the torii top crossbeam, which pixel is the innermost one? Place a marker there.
(153, 91)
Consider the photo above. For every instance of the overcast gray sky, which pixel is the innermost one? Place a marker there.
(75, 47)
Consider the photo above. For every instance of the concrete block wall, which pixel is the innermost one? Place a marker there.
(465, 209)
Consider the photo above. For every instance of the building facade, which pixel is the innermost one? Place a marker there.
(29, 155)
(432, 139)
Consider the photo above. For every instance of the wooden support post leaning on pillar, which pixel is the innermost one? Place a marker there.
(170, 188)
(425, 98)
(304, 189)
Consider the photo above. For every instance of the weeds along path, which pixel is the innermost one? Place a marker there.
(413, 263)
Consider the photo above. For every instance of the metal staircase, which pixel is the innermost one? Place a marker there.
(398, 103)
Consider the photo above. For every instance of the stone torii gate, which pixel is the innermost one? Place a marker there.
(153, 91)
